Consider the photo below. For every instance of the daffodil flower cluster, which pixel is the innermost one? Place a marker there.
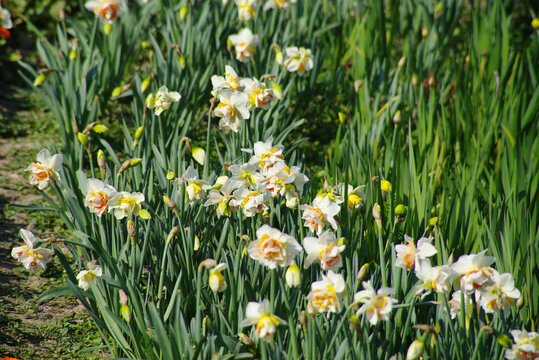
(101, 198)
(492, 290)
(30, 254)
(237, 97)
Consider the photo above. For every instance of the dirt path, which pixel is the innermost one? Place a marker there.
(29, 329)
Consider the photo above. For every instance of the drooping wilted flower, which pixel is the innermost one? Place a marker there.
(266, 323)
(29, 255)
(45, 169)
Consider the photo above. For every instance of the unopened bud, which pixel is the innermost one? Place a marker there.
(171, 175)
(415, 349)
(355, 323)
(172, 234)
(433, 221)
(385, 186)
(182, 62)
(363, 273)
(400, 210)
(107, 29)
(138, 132)
(131, 230)
(246, 340)
(279, 57)
(39, 79)
(358, 84)
(124, 167)
(424, 32)
(134, 162)
(277, 91)
(123, 297)
(101, 162)
(170, 203)
(196, 245)
(401, 62)
(397, 118)
(303, 319)
(208, 264)
(199, 155)
(342, 117)
(377, 214)
(144, 84)
(293, 275)
(146, 45)
(504, 340)
(183, 12)
(83, 139)
(126, 313)
(535, 23)
(117, 91)
(99, 128)
(73, 55)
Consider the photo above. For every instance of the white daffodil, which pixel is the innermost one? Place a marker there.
(475, 271)
(98, 196)
(266, 323)
(162, 100)
(252, 202)
(92, 272)
(246, 9)
(525, 347)
(455, 304)
(245, 175)
(267, 155)
(260, 96)
(377, 305)
(437, 278)
(5, 22)
(273, 248)
(298, 59)
(409, 255)
(230, 82)
(281, 4)
(222, 197)
(244, 43)
(323, 249)
(29, 255)
(325, 295)
(333, 193)
(195, 190)
(107, 10)
(501, 294)
(45, 169)
(232, 109)
(125, 203)
(216, 280)
(319, 214)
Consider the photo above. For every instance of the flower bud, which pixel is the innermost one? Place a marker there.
(131, 230)
(39, 79)
(415, 349)
(277, 91)
(183, 12)
(172, 234)
(138, 132)
(355, 323)
(303, 319)
(397, 118)
(246, 340)
(117, 91)
(400, 210)
(101, 162)
(433, 221)
(182, 62)
(504, 340)
(401, 62)
(424, 32)
(293, 275)
(170, 203)
(126, 313)
(171, 175)
(292, 202)
(342, 117)
(385, 186)
(358, 84)
(144, 84)
(377, 214)
(535, 23)
(134, 162)
(199, 155)
(196, 244)
(73, 54)
(107, 29)
(208, 263)
(144, 214)
(362, 274)
(146, 45)
(83, 139)
(99, 128)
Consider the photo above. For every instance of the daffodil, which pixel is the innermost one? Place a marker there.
(293, 275)
(456, 306)
(45, 169)
(244, 43)
(377, 305)
(356, 196)
(222, 197)
(319, 214)
(298, 59)
(325, 295)
(273, 248)
(333, 193)
(437, 278)
(246, 9)
(259, 95)
(92, 272)
(195, 190)
(125, 204)
(5, 23)
(232, 109)
(525, 347)
(251, 201)
(500, 294)
(266, 155)
(245, 175)
(282, 4)
(474, 271)
(216, 280)
(107, 10)
(323, 249)
(231, 81)
(162, 100)
(409, 255)
(29, 255)
(98, 196)
(259, 314)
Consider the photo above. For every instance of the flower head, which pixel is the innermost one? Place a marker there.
(125, 203)
(526, 346)
(475, 270)
(5, 22)
(232, 109)
(195, 190)
(437, 278)
(259, 95)
(298, 59)
(92, 272)
(319, 214)
(216, 280)
(230, 82)
(244, 43)
(45, 169)
(500, 294)
(98, 196)
(266, 323)
(107, 10)
(282, 4)
(162, 100)
(252, 202)
(325, 295)
(409, 255)
(323, 249)
(273, 248)
(246, 9)
(377, 305)
(266, 155)
(29, 255)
